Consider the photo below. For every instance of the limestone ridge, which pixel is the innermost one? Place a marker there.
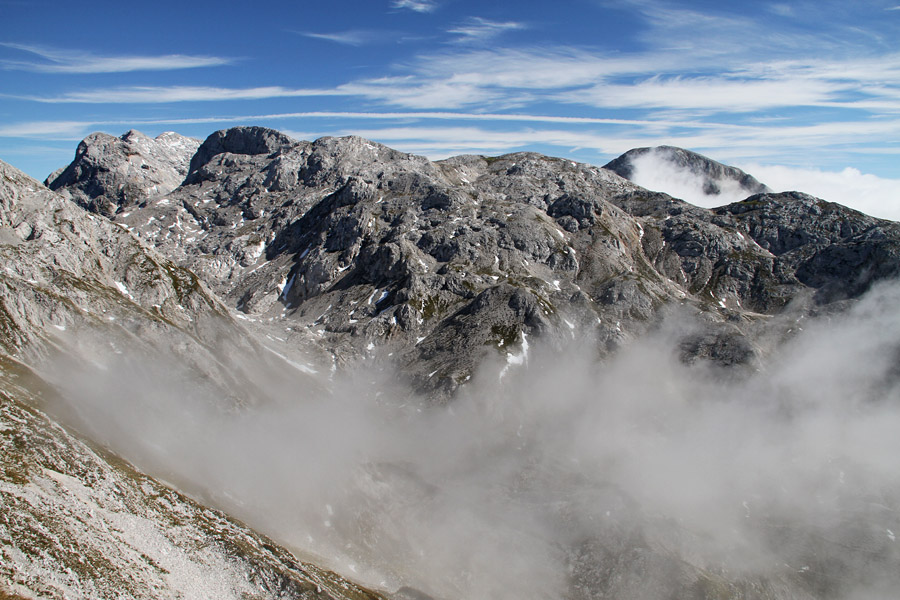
(364, 250)
(712, 173)
(109, 174)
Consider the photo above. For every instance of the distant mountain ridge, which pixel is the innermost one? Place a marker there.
(364, 247)
(714, 175)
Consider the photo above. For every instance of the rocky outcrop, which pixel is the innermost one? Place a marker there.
(249, 141)
(111, 174)
(73, 277)
(834, 250)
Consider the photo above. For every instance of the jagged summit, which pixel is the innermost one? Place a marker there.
(111, 173)
(237, 140)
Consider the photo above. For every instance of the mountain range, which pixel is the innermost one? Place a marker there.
(253, 271)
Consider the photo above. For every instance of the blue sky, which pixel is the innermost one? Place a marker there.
(808, 88)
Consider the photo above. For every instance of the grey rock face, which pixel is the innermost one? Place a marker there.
(78, 283)
(50, 241)
(110, 174)
(713, 173)
(837, 251)
(239, 140)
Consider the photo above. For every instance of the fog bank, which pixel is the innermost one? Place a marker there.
(564, 478)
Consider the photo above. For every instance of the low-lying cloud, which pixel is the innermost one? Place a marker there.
(656, 171)
(870, 194)
(565, 478)
(873, 195)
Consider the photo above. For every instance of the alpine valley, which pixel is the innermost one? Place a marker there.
(237, 368)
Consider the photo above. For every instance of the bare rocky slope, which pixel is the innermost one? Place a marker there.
(77, 522)
(275, 256)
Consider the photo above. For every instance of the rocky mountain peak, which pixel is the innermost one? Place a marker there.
(134, 136)
(248, 141)
(110, 172)
(714, 175)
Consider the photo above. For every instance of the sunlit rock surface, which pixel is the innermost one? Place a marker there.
(110, 174)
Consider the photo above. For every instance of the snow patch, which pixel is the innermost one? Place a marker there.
(286, 287)
(300, 367)
(124, 289)
(516, 360)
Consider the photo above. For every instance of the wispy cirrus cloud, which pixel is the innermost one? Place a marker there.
(54, 60)
(725, 140)
(46, 129)
(422, 6)
(715, 94)
(507, 78)
(354, 37)
(477, 29)
(164, 94)
(534, 68)
(428, 116)
(782, 10)
(412, 92)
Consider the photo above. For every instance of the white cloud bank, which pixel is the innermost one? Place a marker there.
(864, 192)
(867, 193)
(655, 171)
(526, 488)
